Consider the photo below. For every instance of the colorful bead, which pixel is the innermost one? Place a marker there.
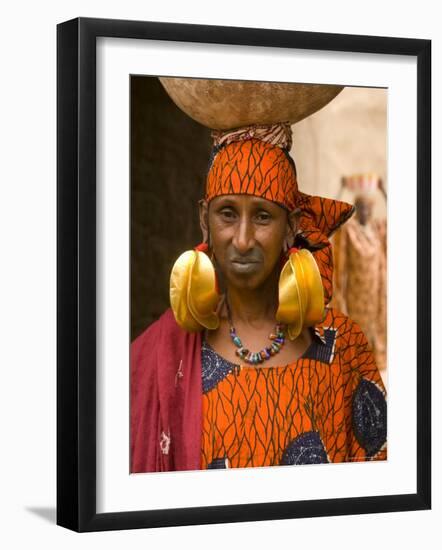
(255, 358)
(237, 341)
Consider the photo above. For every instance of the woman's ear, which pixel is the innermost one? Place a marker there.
(204, 219)
(292, 226)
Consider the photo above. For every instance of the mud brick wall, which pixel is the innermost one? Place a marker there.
(169, 157)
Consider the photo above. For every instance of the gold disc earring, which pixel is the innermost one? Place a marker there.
(301, 294)
(193, 290)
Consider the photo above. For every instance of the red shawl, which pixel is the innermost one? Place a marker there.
(166, 398)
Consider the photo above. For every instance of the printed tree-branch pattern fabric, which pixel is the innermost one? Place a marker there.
(327, 406)
(253, 167)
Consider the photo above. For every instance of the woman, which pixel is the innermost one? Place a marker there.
(252, 368)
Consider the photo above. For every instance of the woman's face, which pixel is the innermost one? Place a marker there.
(247, 235)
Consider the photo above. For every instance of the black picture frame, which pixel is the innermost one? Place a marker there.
(76, 273)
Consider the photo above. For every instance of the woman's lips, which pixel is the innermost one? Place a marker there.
(245, 266)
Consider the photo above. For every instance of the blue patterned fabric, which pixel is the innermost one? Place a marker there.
(218, 464)
(369, 416)
(307, 448)
(323, 352)
(214, 367)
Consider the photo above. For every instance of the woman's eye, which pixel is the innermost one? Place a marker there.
(227, 214)
(263, 216)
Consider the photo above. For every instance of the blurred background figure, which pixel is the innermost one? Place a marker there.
(360, 258)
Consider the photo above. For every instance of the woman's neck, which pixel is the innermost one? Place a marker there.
(254, 306)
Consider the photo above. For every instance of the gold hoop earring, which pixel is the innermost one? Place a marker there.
(193, 290)
(301, 294)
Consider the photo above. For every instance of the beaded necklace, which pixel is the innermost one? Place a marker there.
(254, 358)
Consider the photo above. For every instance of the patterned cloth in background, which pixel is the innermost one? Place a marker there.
(327, 406)
(360, 278)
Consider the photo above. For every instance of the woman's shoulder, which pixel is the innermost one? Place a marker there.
(163, 336)
(164, 324)
(338, 321)
(347, 334)
(351, 349)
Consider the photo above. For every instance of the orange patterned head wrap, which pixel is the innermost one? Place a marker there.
(253, 167)
(254, 161)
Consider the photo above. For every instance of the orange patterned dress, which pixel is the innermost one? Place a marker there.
(328, 406)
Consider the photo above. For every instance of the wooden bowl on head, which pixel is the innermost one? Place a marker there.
(229, 104)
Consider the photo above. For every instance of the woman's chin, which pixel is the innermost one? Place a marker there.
(249, 276)
(244, 281)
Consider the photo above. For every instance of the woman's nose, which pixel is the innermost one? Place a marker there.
(244, 239)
